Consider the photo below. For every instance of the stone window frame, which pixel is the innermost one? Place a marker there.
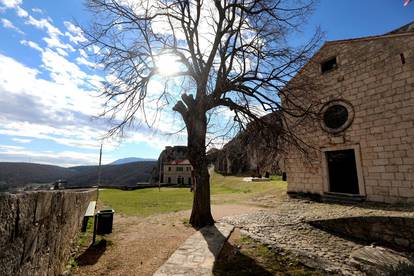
(327, 59)
(347, 124)
(358, 163)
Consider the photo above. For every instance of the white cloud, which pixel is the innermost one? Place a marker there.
(94, 49)
(37, 10)
(158, 141)
(62, 70)
(72, 136)
(61, 52)
(84, 61)
(54, 42)
(74, 33)
(21, 12)
(59, 109)
(33, 108)
(62, 158)
(14, 4)
(7, 147)
(11, 3)
(83, 53)
(9, 25)
(31, 44)
(44, 24)
(21, 140)
(72, 28)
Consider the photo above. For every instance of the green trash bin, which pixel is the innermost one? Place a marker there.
(104, 221)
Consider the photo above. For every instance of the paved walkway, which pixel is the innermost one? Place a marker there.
(197, 254)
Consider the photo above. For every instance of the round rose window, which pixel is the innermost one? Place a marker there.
(336, 116)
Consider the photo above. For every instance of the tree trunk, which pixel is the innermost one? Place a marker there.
(196, 129)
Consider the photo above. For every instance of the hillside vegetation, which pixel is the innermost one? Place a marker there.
(21, 174)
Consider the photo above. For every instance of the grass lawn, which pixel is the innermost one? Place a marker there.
(224, 189)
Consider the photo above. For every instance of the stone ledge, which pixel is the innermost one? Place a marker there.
(38, 229)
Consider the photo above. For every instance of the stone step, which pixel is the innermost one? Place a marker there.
(342, 198)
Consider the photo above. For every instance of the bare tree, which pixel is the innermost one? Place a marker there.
(231, 53)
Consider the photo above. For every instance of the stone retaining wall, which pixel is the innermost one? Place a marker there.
(38, 230)
(394, 232)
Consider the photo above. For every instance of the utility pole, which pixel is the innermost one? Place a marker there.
(99, 168)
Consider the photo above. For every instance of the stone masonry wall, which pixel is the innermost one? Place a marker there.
(38, 229)
(394, 232)
(373, 79)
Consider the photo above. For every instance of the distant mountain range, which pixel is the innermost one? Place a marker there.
(14, 174)
(131, 160)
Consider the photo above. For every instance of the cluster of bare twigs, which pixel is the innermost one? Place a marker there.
(231, 53)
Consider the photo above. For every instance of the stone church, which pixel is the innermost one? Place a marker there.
(361, 144)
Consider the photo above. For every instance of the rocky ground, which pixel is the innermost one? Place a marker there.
(284, 227)
(243, 256)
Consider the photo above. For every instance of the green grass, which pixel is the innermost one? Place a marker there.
(84, 237)
(73, 263)
(235, 185)
(145, 202)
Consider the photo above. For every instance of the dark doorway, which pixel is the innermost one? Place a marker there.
(343, 177)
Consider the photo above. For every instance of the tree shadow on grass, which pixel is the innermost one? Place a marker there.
(92, 253)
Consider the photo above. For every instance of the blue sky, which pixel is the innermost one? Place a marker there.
(48, 85)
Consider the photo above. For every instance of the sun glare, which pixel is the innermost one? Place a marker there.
(167, 65)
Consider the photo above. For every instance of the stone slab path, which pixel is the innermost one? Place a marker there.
(197, 254)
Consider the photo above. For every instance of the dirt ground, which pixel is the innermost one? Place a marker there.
(138, 246)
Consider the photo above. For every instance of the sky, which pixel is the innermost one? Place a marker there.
(49, 85)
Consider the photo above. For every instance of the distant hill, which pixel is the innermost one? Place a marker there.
(130, 160)
(14, 174)
(113, 175)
